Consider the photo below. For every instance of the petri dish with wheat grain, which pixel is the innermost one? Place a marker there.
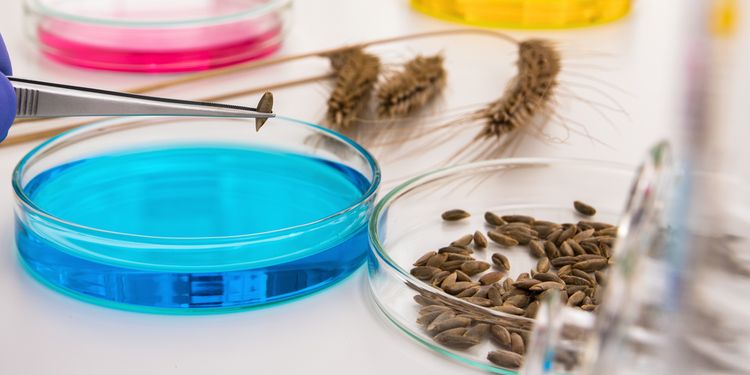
(156, 36)
(407, 223)
(186, 216)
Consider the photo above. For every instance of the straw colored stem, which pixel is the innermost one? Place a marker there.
(284, 59)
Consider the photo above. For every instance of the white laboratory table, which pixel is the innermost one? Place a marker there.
(338, 331)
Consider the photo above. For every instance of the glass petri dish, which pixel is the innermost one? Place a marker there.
(407, 223)
(525, 14)
(156, 36)
(182, 215)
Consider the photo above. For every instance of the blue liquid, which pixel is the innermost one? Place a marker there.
(200, 191)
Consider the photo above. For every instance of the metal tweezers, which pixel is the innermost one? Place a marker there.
(44, 99)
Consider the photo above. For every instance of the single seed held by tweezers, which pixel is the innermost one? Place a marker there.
(265, 105)
(584, 209)
(454, 215)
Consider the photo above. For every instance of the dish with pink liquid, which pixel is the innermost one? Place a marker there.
(156, 36)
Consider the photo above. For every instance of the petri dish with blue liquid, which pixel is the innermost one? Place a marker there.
(180, 215)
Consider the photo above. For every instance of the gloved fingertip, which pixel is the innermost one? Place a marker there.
(5, 65)
(7, 106)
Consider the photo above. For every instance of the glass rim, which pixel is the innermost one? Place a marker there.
(373, 227)
(89, 132)
(269, 6)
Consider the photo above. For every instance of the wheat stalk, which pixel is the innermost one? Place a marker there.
(356, 75)
(422, 79)
(530, 92)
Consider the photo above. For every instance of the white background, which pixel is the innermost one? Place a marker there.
(337, 331)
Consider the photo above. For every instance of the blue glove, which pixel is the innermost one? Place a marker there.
(7, 94)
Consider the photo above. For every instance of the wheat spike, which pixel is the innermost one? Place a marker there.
(421, 80)
(356, 75)
(529, 93)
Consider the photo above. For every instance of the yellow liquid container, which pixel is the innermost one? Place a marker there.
(531, 14)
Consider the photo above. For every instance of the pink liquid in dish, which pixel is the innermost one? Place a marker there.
(158, 50)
